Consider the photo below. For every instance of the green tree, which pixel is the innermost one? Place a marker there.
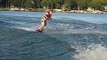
(67, 4)
(57, 6)
(58, 3)
(98, 4)
(44, 3)
(83, 4)
(49, 3)
(70, 4)
(3, 3)
(28, 3)
(74, 5)
(20, 3)
(37, 3)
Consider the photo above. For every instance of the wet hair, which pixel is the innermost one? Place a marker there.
(48, 10)
(51, 10)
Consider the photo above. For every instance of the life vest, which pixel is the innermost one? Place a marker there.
(47, 16)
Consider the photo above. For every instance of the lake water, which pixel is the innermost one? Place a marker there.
(69, 36)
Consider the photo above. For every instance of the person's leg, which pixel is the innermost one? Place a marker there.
(45, 25)
(42, 26)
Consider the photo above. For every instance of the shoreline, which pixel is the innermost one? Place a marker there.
(82, 11)
(55, 10)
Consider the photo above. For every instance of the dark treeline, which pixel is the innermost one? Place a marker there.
(56, 4)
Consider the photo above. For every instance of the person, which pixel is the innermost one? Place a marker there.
(47, 16)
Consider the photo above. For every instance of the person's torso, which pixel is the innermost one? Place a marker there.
(47, 16)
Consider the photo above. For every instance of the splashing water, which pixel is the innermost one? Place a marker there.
(97, 52)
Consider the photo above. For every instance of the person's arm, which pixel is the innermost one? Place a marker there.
(51, 16)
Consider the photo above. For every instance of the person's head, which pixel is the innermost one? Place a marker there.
(51, 10)
(47, 10)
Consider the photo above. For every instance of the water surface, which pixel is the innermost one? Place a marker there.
(69, 36)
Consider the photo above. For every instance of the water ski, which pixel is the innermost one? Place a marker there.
(39, 30)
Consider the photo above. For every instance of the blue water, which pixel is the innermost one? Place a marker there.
(69, 36)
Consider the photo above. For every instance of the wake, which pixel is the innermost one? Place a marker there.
(95, 52)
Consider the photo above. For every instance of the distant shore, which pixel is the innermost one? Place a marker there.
(83, 11)
(55, 10)
(22, 9)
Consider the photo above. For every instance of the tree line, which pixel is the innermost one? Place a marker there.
(56, 4)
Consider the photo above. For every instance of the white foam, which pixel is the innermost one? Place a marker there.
(95, 52)
(25, 28)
